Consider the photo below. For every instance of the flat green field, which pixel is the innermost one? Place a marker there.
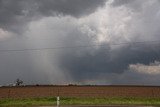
(78, 101)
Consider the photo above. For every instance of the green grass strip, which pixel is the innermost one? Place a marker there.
(78, 101)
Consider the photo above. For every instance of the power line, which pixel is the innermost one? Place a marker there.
(84, 46)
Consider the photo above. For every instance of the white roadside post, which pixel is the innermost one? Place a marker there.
(58, 101)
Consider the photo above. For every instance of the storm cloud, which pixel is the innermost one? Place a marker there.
(83, 42)
(15, 14)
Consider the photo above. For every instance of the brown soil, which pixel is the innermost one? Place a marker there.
(79, 91)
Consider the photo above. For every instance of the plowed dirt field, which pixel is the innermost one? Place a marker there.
(79, 91)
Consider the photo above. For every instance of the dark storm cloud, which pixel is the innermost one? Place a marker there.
(14, 17)
(9, 12)
(70, 23)
(14, 14)
(122, 2)
(72, 7)
(107, 61)
(89, 65)
(135, 5)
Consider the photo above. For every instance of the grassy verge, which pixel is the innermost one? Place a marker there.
(27, 102)
(78, 101)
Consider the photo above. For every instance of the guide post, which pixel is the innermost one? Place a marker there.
(58, 101)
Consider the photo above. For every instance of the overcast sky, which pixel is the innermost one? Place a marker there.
(109, 42)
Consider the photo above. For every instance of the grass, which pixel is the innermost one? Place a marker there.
(78, 101)
(27, 102)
